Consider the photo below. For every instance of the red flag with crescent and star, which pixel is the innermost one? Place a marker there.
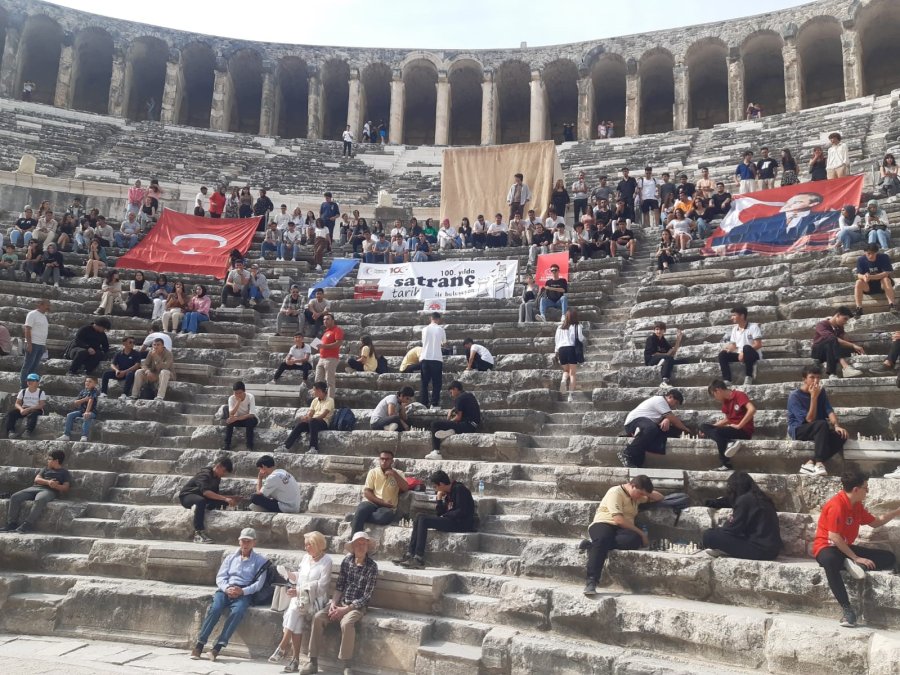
(190, 244)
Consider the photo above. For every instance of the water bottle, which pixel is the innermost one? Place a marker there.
(646, 534)
(481, 488)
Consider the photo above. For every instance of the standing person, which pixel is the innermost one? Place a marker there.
(766, 170)
(650, 425)
(790, 174)
(874, 274)
(29, 405)
(158, 367)
(648, 193)
(838, 163)
(297, 358)
(201, 494)
(322, 242)
(742, 343)
(625, 191)
(432, 362)
(817, 165)
(579, 196)
(559, 197)
(658, 350)
(34, 331)
(85, 406)
(737, 425)
(263, 205)
(201, 202)
(463, 418)
(745, 174)
(316, 420)
(830, 345)
(834, 545)
(554, 294)
(217, 202)
(381, 494)
(329, 353)
(477, 356)
(613, 527)
(518, 195)
(811, 418)
(50, 483)
(752, 531)
(890, 180)
(136, 195)
(390, 413)
(124, 364)
(277, 491)
(568, 335)
(240, 411)
(347, 137)
(329, 211)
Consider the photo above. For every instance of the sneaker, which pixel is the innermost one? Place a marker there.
(14, 434)
(83, 439)
(434, 408)
(833, 377)
(892, 307)
(10, 527)
(392, 427)
(854, 570)
(214, 652)
(858, 312)
(563, 384)
(848, 618)
(571, 398)
(623, 459)
(808, 469)
(434, 454)
(727, 383)
(852, 372)
(882, 369)
(724, 468)
(664, 383)
(313, 450)
(318, 268)
(590, 588)
(197, 653)
(123, 397)
(25, 528)
(820, 470)
(402, 561)
(159, 398)
(539, 317)
(444, 433)
(748, 380)
(200, 537)
(63, 438)
(101, 395)
(225, 447)
(57, 286)
(715, 553)
(277, 656)
(893, 474)
(734, 449)
(417, 562)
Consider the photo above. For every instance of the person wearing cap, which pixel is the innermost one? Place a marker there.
(237, 284)
(277, 491)
(291, 311)
(240, 411)
(201, 494)
(649, 425)
(90, 346)
(30, 404)
(236, 582)
(352, 593)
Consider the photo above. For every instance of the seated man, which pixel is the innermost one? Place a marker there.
(658, 350)
(85, 409)
(236, 582)
(497, 236)
(124, 365)
(158, 367)
(277, 491)
(240, 411)
(622, 237)
(383, 487)
(127, 236)
(237, 284)
(291, 311)
(103, 232)
(737, 425)
(315, 311)
(90, 346)
(23, 229)
(651, 424)
(297, 358)
(874, 274)
(390, 413)
(891, 359)
(30, 404)
(50, 483)
(554, 294)
(455, 511)
(811, 418)
(410, 362)
(541, 240)
(352, 593)
(613, 526)
(478, 357)
(836, 532)
(830, 346)
(743, 342)
(201, 494)
(316, 419)
(719, 202)
(463, 418)
(290, 242)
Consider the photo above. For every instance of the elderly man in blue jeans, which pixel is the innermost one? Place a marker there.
(238, 579)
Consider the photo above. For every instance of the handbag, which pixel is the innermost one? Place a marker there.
(579, 348)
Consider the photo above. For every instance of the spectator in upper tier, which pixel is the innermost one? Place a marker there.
(554, 294)
(838, 164)
(658, 350)
(719, 203)
(849, 229)
(316, 420)
(277, 491)
(650, 425)
(381, 494)
(289, 248)
(463, 418)
(127, 236)
(743, 343)
(390, 413)
(297, 358)
(874, 275)
(111, 294)
(30, 404)
(123, 367)
(623, 237)
(752, 532)
(497, 235)
(52, 260)
(830, 346)
(477, 356)
(158, 368)
(625, 191)
(50, 483)
(89, 347)
(240, 411)
(139, 293)
(518, 195)
(811, 418)
(263, 205)
(259, 286)
(201, 494)
(766, 170)
(737, 425)
(217, 202)
(877, 225)
(159, 293)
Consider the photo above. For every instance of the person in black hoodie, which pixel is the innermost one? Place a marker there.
(752, 532)
(201, 494)
(90, 346)
(455, 513)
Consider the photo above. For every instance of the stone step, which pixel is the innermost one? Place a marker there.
(102, 527)
(440, 656)
(460, 631)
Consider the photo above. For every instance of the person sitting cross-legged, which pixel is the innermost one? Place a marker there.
(811, 418)
(743, 343)
(463, 418)
(737, 425)
(315, 421)
(50, 483)
(752, 532)
(201, 494)
(30, 404)
(650, 424)
(297, 358)
(390, 413)
(381, 494)
(455, 511)
(277, 491)
(477, 356)
(874, 274)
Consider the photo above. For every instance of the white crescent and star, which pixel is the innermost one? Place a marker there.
(221, 242)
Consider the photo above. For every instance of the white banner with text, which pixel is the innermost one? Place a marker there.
(441, 279)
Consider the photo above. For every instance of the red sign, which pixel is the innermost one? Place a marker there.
(546, 261)
(189, 244)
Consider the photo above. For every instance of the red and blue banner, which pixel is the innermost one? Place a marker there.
(792, 219)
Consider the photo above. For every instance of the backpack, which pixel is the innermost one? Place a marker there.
(677, 501)
(343, 420)
(382, 366)
(264, 595)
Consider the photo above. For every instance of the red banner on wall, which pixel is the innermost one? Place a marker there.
(189, 244)
(545, 261)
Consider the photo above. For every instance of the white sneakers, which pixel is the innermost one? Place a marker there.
(854, 570)
(434, 454)
(392, 427)
(444, 433)
(810, 469)
(850, 371)
(734, 449)
(893, 474)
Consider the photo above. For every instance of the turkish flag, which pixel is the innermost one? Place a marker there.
(190, 244)
(545, 261)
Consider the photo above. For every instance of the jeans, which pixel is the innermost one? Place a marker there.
(432, 376)
(734, 546)
(268, 247)
(269, 504)
(243, 293)
(288, 252)
(562, 304)
(650, 439)
(18, 238)
(125, 240)
(721, 436)
(606, 538)
(191, 322)
(236, 607)
(848, 238)
(533, 252)
(31, 362)
(312, 427)
(87, 419)
(751, 356)
(880, 237)
(380, 424)
(424, 523)
(127, 382)
(832, 560)
(41, 496)
(827, 442)
(367, 512)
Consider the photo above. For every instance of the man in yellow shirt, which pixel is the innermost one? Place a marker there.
(384, 485)
(316, 419)
(613, 526)
(410, 363)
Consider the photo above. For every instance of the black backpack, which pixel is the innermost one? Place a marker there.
(382, 366)
(264, 595)
(343, 420)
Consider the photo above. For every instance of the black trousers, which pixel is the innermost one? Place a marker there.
(826, 439)
(127, 382)
(895, 352)
(432, 376)
(480, 364)
(14, 416)
(306, 367)
(267, 503)
(355, 364)
(721, 436)
(832, 560)
(830, 352)
(135, 300)
(458, 427)
(367, 512)
(668, 364)
(579, 206)
(201, 505)
(249, 424)
(606, 538)
(424, 523)
(751, 356)
(650, 439)
(734, 546)
(81, 359)
(313, 427)
(348, 149)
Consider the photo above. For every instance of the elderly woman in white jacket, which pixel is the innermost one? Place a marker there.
(309, 594)
(568, 334)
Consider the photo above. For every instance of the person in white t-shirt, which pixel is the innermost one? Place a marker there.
(390, 413)
(347, 137)
(277, 491)
(297, 358)
(432, 361)
(35, 331)
(30, 404)
(651, 424)
(282, 218)
(201, 201)
(497, 236)
(290, 242)
(648, 189)
(743, 342)
(478, 357)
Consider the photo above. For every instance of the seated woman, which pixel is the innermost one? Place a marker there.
(529, 298)
(681, 230)
(176, 306)
(665, 252)
(138, 293)
(198, 310)
(96, 259)
(159, 292)
(111, 294)
(368, 359)
(752, 532)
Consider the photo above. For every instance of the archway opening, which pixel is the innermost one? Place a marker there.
(608, 76)
(92, 71)
(292, 98)
(39, 50)
(764, 72)
(145, 78)
(561, 84)
(420, 102)
(708, 84)
(465, 103)
(514, 102)
(821, 63)
(376, 85)
(245, 70)
(336, 95)
(657, 92)
(198, 63)
(879, 32)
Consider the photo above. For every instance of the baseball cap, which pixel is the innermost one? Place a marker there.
(33, 377)
(248, 533)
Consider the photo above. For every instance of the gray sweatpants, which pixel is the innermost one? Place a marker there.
(41, 497)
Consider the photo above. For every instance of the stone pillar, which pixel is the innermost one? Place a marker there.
(793, 84)
(398, 102)
(314, 107)
(172, 94)
(632, 99)
(355, 105)
(585, 125)
(538, 126)
(735, 87)
(63, 96)
(854, 85)
(442, 111)
(681, 109)
(118, 85)
(9, 64)
(488, 109)
(220, 112)
(267, 105)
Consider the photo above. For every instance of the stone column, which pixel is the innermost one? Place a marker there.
(172, 94)
(267, 105)
(314, 107)
(585, 125)
(220, 112)
(632, 99)
(538, 126)
(854, 85)
(793, 84)
(63, 96)
(355, 105)
(488, 109)
(735, 87)
(10, 63)
(398, 102)
(681, 110)
(118, 85)
(442, 111)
